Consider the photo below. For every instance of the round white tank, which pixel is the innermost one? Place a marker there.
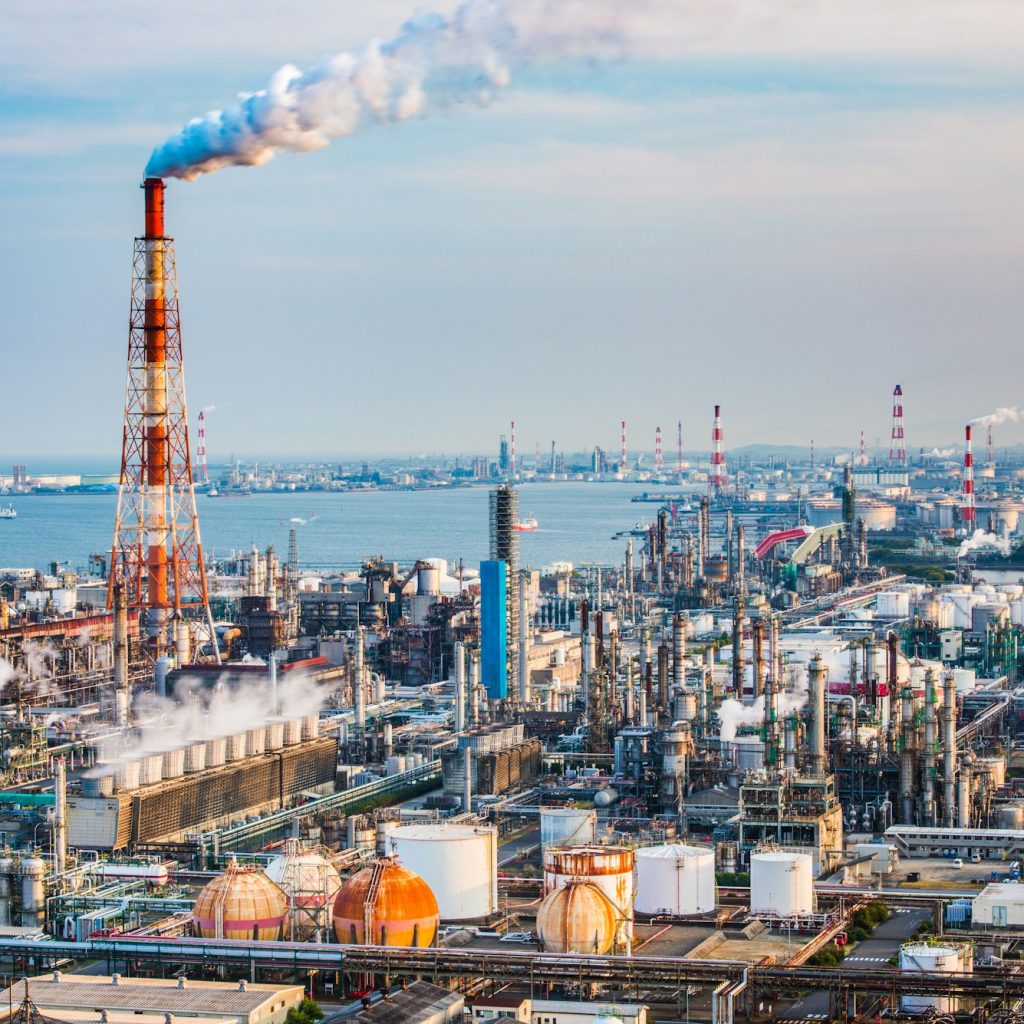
(174, 763)
(195, 757)
(151, 769)
(747, 752)
(1011, 816)
(255, 742)
(292, 732)
(675, 879)
(216, 752)
(235, 746)
(966, 679)
(893, 604)
(781, 884)
(458, 862)
(610, 868)
(428, 581)
(686, 706)
(995, 767)
(563, 826)
(310, 727)
(395, 764)
(925, 958)
(33, 892)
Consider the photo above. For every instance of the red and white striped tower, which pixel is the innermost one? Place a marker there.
(659, 459)
(201, 449)
(863, 460)
(679, 447)
(897, 446)
(990, 454)
(512, 453)
(716, 481)
(622, 454)
(968, 512)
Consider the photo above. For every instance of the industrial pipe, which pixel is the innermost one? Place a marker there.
(459, 658)
(949, 749)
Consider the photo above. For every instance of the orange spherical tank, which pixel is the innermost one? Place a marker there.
(404, 908)
(242, 903)
(576, 918)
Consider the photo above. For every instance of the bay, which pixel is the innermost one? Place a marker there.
(576, 522)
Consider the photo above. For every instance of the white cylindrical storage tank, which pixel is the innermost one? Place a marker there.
(940, 958)
(966, 679)
(610, 868)
(174, 763)
(395, 764)
(675, 879)
(994, 767)
(235, 746)
(195, 757)
(275, 736)
(216, 752)
(893, 604)
(310, 727)
(151, 769)
(128, 775)
(686, 706)
(747, 752)
(458, 862)
(428, 581)
(33, 892)
(292, 732)
(6, 881)
(781, 884)
(255, 742)
(566, 826)
(1010, 816)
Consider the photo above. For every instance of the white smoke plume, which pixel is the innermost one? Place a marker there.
(942, 453)
(199, 712)
(980, 539)
(434, 62)
(208, 408)
(1004, 414)
(732, 713)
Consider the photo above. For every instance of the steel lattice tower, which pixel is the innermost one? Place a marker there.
(157, 552)
(897, 446)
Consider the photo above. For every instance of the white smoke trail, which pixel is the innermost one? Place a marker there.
(434, 62)
(732, 713)
(208, 408)
(1004, 414)
(942, 453)
(980, 539)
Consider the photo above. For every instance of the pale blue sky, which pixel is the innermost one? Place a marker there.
(786, 215)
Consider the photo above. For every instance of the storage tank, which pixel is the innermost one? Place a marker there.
(610, 868)
(154, 874)
(685, 706)
(966, 679)
(565, 826)
(675, 879)
(781, 884)
(458, 862)
(994, 767)
(746, 752)
(216, 752)
(428, 580)
(893, 604)
(242, 903)
(403, 911)
(577, 918)
(944, 958)
(1010, 816)
(310, 882)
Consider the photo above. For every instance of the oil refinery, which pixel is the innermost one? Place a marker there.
(766, 764)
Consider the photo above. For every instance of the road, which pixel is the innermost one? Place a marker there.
(875, 952)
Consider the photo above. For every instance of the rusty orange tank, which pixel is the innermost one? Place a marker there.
(399, 905)
(242, 903)
(576, 918)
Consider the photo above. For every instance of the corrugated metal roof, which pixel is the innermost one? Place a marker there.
(421, 1001)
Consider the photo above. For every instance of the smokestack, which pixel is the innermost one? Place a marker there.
(968, 512)
(949, 749)
(738, 666)
(122, 686)
(679, 448)
(662, 681)
(716, 479)
(741, 559)
(459, 657)
(659, 459)
(474, 688)
(525, 695)
(512, 453)
(201, 449)
(907, 758)
(359, 683)
(585, 667)
(819, 764)
(60, 818)
(678, 650)
(897, 445)
(928, 759)
(623, 465)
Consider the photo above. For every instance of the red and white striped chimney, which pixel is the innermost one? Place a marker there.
(512, 453)
(897, 446)
(659, 458)
(717, 478)
(968, 512)
(622, 453)
(201, 449)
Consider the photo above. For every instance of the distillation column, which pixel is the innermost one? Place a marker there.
(949, 749)
(819, 763)
(928, 758)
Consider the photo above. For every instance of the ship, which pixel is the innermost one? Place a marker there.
(527, 525)
(7, 512)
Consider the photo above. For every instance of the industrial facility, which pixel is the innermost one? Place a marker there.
(767, 765)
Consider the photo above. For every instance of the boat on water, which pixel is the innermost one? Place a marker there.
(527, 525)
(229, 492)
(8, 512)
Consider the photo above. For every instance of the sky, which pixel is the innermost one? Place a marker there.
(785, 213)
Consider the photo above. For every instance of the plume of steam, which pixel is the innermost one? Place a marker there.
(1004, 414)
(298, 520)
(208, 408)
(942, 453)
(980, 539)
(435, 61)
(732, 713)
